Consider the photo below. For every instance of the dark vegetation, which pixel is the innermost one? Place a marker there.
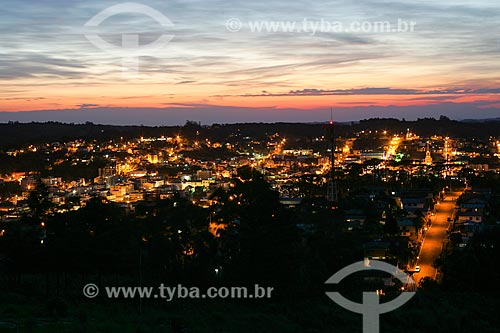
(168, 242)
(15, 133)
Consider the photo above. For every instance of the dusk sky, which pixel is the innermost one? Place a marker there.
(449, 65)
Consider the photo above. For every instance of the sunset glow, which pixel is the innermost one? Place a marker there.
(448, 64)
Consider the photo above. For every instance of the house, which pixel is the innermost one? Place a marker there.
(472, 202)
(355, 217)
(471, 208)
(476, 217)
(7, 207)
(417, 200)
(290, 202)
(377, 250)
(407, 228)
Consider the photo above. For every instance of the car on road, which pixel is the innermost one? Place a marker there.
(417, 268)
(449, 219)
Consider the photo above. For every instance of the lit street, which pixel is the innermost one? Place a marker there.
(435, 237)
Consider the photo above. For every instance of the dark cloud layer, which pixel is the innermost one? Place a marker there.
(377, 91)
(209, 114)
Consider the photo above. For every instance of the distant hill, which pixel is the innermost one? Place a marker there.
(480, 120)
(14, 133)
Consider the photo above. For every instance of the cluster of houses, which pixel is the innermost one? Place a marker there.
(472, 210)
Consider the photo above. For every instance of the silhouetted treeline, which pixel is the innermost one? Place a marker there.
(169, 241)
(48, 256)
(15, 133)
